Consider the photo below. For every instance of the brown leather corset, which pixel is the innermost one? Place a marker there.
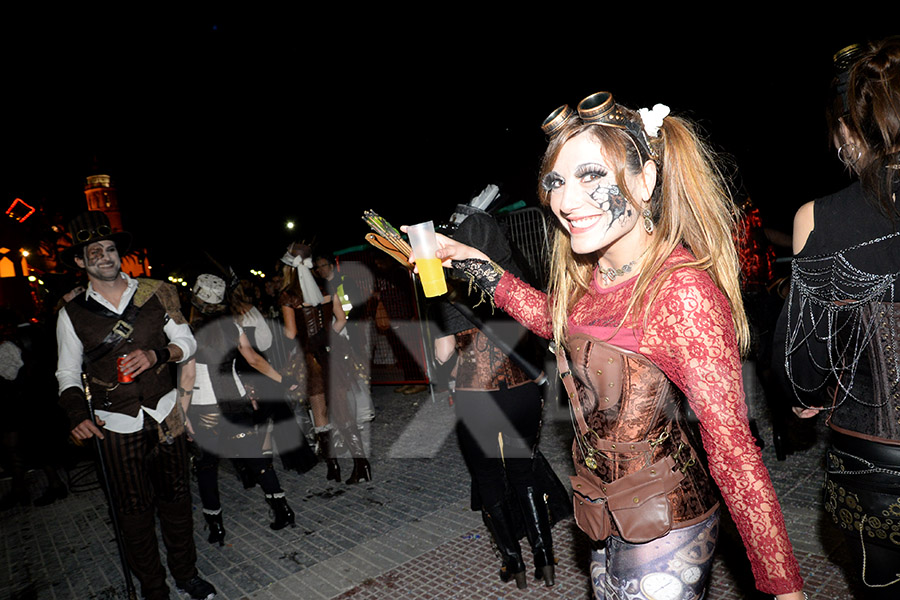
(483, 366)
(314, 320)
(634, 417)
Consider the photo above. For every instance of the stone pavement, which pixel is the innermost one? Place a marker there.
(407, 534)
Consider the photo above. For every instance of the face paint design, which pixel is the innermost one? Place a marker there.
(586, 199)
(101, 260)
(610, 199)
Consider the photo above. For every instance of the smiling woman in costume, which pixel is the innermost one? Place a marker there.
(645, 298)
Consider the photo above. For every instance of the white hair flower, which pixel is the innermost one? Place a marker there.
(653, 119)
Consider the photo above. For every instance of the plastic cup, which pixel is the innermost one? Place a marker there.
(424, 245)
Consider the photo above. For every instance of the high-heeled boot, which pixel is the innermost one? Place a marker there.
(284, 516)
(362, 470)
(537, 529)
(326, 450)
(499, 523)
(216, 528)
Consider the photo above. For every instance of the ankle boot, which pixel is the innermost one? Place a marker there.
(499, 524)
(284, 516)
(537, 529)
(362, 470)
(326, 450)
(216, 529)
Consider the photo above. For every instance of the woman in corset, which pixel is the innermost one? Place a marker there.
(643, 306)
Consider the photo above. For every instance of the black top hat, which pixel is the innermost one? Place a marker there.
(89, 227)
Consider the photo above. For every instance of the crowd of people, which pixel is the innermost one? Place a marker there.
(239, 391)
(644, 311)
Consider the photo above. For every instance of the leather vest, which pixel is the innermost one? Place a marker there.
(635, 417)
(92, 327)
(483, 366)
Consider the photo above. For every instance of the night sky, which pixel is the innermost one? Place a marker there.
(217, 128)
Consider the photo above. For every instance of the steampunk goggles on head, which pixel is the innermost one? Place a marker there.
(601, 109)
(86, 235)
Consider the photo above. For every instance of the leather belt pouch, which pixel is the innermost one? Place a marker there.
(638, 504)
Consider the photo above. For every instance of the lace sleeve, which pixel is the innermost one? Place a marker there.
(690, 336)
(525, 304)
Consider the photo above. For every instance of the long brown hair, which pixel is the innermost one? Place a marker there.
(872, 115)
(691, 207)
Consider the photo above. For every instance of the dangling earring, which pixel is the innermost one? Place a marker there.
(648, 221)
(849, 147)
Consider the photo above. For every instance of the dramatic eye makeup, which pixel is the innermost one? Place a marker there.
(552, 181)
(591, 171)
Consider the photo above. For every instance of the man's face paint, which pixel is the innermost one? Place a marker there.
(101, 260)
(587, 201)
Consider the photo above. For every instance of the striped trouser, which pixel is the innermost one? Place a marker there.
(148, 476)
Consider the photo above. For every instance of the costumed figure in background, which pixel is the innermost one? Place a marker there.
(838, 338)
(221, 416)
(123, 334)
(349, 337)
(256, 373)
(324, 375)
(644, 298)
(499, 407)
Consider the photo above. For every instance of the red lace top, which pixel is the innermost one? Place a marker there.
(690, 336)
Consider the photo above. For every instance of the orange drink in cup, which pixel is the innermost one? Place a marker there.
(424, 245)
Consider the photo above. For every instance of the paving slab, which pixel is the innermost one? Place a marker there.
(409, 533)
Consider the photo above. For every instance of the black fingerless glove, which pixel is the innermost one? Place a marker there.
(484, 274)
(288, 380)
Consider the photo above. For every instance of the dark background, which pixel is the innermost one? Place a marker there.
(218, 127)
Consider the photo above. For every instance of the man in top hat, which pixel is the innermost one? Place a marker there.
(124, 334)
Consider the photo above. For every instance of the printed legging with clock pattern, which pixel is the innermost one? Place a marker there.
(673, 567)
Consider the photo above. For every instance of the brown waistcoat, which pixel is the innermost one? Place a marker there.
(92, 327)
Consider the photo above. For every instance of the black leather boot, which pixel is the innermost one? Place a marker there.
(284, 516)
(326, 450)
(362, 470)
(499, 524)
(537, 529)
(216, 529)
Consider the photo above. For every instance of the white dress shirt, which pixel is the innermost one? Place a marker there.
(71, 357)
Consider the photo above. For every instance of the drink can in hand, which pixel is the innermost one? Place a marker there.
(123, 377)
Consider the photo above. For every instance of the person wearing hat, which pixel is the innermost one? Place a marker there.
(119, 338)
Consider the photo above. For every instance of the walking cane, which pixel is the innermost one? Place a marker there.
(110, 498)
